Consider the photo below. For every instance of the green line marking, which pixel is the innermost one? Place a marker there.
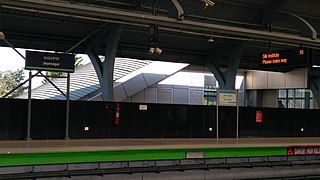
(246, 152)
(49, 69)
(16, 159)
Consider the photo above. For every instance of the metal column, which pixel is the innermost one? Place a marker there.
(108, 35)
(29, 108)
(68, 107)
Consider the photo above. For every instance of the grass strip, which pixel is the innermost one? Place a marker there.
(18, 159)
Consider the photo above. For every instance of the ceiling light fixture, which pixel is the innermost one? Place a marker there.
(210, 40)
(151, 50)
(207, 3)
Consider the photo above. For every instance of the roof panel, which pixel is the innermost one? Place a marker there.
(84, 77)
(308, 8)
(59, 33)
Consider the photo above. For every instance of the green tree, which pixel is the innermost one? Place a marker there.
(10, 80)
(52, 74)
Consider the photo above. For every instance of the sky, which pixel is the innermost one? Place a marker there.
(11, 60)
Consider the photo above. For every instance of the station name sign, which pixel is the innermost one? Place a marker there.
(44, 61)
(297, 57)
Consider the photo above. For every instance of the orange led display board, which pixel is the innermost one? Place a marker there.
(285, 59)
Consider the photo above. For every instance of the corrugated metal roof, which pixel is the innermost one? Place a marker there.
(84, 81)
(306, 7)
(38, 30)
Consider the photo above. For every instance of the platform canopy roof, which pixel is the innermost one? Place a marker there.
(184, 26)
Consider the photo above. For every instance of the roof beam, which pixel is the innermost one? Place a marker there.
(75, 10)
(174, 8)
(307, 30)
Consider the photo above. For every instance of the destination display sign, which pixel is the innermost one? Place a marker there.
(297, 57)
(44, 61)
(303, 150)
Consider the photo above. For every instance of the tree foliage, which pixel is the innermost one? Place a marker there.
(10, 80)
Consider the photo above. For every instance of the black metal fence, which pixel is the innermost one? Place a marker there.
(158, 121)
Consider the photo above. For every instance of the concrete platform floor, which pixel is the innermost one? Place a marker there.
(10, 146)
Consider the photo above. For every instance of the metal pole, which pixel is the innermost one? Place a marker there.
(68, 82)
(154, 7)
(237, 133)
(217, 118)
(8, 43)
(29, 107)
(68, 107)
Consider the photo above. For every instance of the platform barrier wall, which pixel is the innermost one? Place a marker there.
(158, 121)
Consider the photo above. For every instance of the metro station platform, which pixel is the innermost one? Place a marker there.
(17, 153)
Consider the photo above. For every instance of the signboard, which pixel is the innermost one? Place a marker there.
(227, 98)
(303, 150)
(194, 155)
(143, 107)
(258, 117)
(44, 61)
(285, 59)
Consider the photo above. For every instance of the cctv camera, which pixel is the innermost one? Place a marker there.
(2, 36)
(208, 3)
(158, 51)
(151, 50)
